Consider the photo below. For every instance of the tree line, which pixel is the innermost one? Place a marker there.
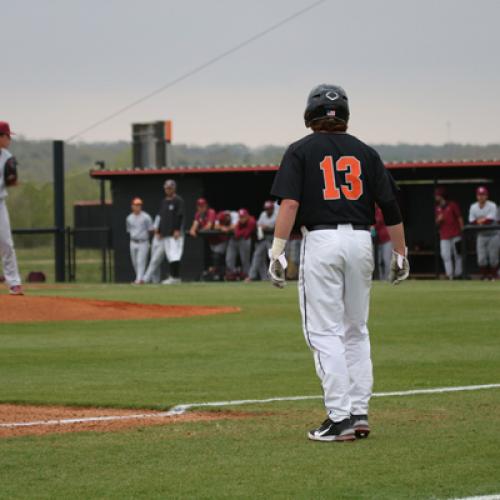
(31, 203)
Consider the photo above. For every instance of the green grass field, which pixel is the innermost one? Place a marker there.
(424, 335)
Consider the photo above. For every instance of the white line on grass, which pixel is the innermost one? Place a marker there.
(483, 497)
(181, 409)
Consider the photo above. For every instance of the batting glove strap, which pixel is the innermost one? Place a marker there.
(277, 248)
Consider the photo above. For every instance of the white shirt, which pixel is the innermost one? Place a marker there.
(139, 226)
(268, 220)
(4, 156)
(489, 211)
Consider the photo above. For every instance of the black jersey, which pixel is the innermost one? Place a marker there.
(171, 215)
(336, 178)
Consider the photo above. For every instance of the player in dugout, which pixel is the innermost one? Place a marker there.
(484, 213)
(139, 227)
(240, 245)
(450, 223)
(204, 220)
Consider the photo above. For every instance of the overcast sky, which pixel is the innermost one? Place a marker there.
(415, 71)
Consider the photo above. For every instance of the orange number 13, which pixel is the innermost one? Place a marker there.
(349, 164)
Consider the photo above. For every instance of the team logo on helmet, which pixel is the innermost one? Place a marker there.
(332, 96)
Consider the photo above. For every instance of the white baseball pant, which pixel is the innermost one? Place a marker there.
(156, 246)
(384, 255)
(451, 255)
(336, 269)
(7, 252)
(139, 251)
(170, 247)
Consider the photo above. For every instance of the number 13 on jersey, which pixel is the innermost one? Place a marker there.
(353, 189)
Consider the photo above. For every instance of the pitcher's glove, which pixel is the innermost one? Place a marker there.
(10, 171)
(277, 269)
(400, 268)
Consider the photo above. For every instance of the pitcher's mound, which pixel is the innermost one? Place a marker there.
(29, 308)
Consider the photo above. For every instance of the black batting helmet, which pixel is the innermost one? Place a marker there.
(327, 101)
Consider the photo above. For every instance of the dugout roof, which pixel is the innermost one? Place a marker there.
(416, 170)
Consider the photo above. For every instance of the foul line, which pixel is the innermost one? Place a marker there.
(482, 497)
(183, 408)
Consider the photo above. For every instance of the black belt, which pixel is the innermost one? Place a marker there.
(357, 227)
(138, 241)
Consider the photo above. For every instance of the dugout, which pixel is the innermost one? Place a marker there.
(233, 187)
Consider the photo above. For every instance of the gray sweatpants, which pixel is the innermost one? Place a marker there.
(259, 266)
(241, 248)
(450, 253)
(487, 248)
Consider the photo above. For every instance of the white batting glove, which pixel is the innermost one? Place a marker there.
(277, 269)
(278, 262)
(400, 268)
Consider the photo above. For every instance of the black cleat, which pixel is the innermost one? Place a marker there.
(360, 425)
(333, 431)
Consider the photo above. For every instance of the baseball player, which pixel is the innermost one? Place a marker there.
(171, 233)
(265, 227)
(384, 245)
(156, 247)
(240, 244)
(224, 223)
(450, 223)
(328, 183)
(204, 220)
(139, 226)
(8, 177)
(484, 213)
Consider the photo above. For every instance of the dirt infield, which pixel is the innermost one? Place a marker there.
(31, 308)
(41, 419)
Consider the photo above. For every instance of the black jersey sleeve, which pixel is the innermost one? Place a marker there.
(179, 214)
(288, 181)
(386, 193)
(385, 187)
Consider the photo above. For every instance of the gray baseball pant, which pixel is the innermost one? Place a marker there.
(450, 254)
(243, 249)
(259, 266)
(487, 248)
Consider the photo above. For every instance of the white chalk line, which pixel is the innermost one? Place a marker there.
(482, 497)
(183, 408)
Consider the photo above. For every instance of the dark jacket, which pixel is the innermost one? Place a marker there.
(171, 216)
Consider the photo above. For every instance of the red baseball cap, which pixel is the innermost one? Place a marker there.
(201, 201)
(243, 212)
(440, 191)
(5, 129)
(482, 190)
(268, 204)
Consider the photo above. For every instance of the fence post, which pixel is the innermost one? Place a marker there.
(59, 247)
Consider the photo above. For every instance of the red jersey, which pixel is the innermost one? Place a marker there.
(205, 219)
(224, 219)
(449, 227)
(244, 231)
(380, 227)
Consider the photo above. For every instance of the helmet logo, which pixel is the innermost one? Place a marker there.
(332, 95)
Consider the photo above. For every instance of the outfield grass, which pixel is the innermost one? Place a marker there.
(423, 335)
